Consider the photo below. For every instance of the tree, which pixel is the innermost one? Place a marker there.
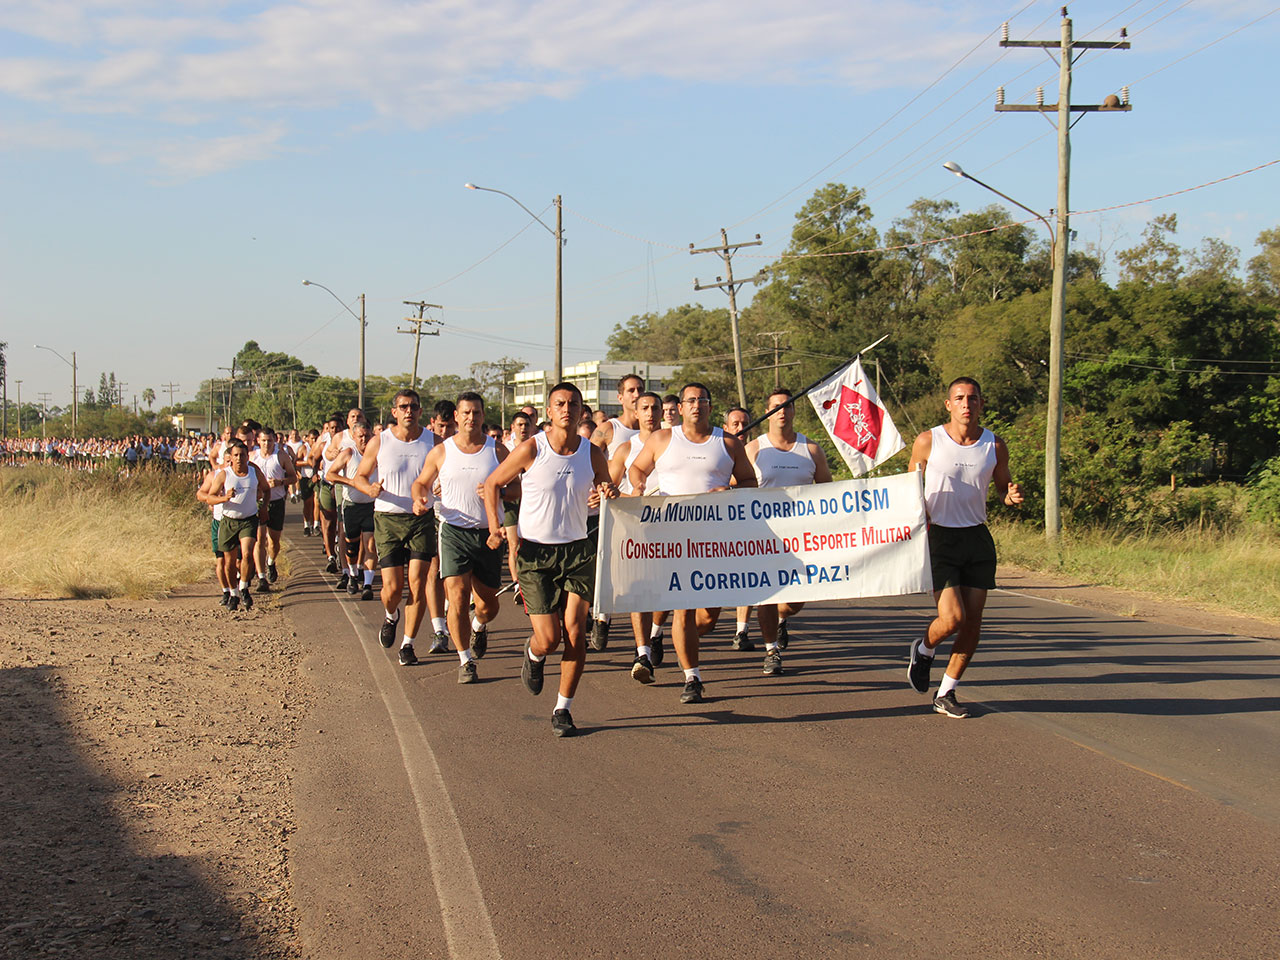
(148, 397)
(1264, 268)
(1157, 259)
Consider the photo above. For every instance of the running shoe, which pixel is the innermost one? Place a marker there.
(531, 672)
(692, 691)
(480, 642)
(331, 566)
(387, 635)
(366, 592)
(659, 650)
(272, 573)
(642, 669)
(742, 642)
(246, 599)
(773, 664)
(226, 598)
(233, 602)
(407, 657)
(467, 672)
(306, 531)
(343, 581)
(948, 706)
(562, 724)
(599, 634)
(918, 669)
(353, 585)
(783, 639)
(440, 643)
(263, 586)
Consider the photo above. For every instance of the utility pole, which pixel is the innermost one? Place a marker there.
(44, 406)
(293, 403)
(19, 383)
(777, 354)
(363, 324)
(1063, 108)
(502, 390)
(169, 388)
(559, 297)
(730, 286)
(231, 387)
(416, 332)
(120, 385)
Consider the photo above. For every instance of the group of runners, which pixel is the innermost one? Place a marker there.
(433, 506)
(185, 454)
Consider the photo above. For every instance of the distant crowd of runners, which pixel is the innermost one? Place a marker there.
(183, 454)
(434, 505)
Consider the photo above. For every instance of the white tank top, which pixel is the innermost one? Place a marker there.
(459, 504)
(349, 471)
(956, 478)
(621, 435)
(325, 462)
(783, 468)
(399, 463)
(244, 502)
(688, 467)
(220, 462)
(554, 492)
(272, 469)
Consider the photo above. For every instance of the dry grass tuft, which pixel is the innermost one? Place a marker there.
(93, 535)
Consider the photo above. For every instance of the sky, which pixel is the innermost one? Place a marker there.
(173, 171)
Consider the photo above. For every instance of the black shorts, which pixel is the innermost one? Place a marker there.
(962, 557)
(357, 518)
(275, 515)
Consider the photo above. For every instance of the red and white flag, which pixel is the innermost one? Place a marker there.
(859, 424)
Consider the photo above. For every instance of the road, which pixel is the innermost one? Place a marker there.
(1113, 795)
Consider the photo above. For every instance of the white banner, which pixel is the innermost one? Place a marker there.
(828, 541)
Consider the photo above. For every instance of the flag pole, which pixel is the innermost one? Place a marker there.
(813, 386)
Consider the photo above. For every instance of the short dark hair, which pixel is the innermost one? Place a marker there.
(237, 445)
(650, 393)
(565, 385)
(521, 415)
(781, 392)
(959, 380)
(252, 425)
(472, 396)
(737, 410)
(444, 409)
(406, 392)
(630, 376)
(695, 384)
(670, 398)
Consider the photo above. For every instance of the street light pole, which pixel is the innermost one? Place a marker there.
(359, 317)
(19, 383)
(75, 387)
(558, 233)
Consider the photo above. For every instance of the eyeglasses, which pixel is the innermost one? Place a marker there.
(695, 401)
(408, 406)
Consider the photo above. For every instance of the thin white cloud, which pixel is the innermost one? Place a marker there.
(197, 158)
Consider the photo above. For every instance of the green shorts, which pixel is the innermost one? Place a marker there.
(962, 557)
(548, 571)
(213, 531)
(357, 518)
(325, 500)
(275, 515)
(401, 537)
(306, 488)
(231, 530)
(463, 550)
(510, 512)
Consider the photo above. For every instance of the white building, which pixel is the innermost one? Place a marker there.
(597, 379)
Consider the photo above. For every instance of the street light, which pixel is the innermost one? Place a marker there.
(19, 383)
(312, 283)
(1053, 418)
(558, 233)
(75, 399)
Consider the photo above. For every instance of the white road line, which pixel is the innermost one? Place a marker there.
(468, 928)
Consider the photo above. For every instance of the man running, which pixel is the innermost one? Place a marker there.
(245, 496)
(557, 561)
(694, 457)
(340, 441)
(357, 514)
(960, 459)
(735, 424)
(522, 427)
(276, 464)
(468, 565)
(326, 500)
(218, 459)
(783, 458)
(405, 541)
(307, 483)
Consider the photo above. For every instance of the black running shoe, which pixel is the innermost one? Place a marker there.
(366, 592)
(343, 581)
(531, 672)
(272, 573)
(692, 691)
(659, 650)
(353, 585)
(246, 599)
(233, 602)
(226, 598)
(407, 657)
(562, 724)
(306, 531)
(440, 643)
(773, 664)
(783, 638)
(387, 635)
(263, 586)
(480, 642)
(642, 669)
(742, 642)
(948, 706)
(467, 672)
(918, 669)
(599, 634)
(331, 566)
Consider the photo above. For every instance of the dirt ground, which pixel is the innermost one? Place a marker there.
(145, 769)
(144, 778)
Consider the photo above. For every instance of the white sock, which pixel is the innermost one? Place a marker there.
(439, 624)
(644, 651)
(535, 658)
(352, 571)
(407, 641)
(742, 626)
(926, 651)
(226, 590)
(393, 618)
(947, 685)
(465, 655)
(655, 632)
(562, 702)
(476, 625)
(244, 585)
(368, 578)
(770, 647)
(271, 563)
(693, 674)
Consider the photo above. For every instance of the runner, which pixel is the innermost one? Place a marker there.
(692, 458)
(647, 627)
(205, 495)
(357, 514)
(522, 426)
(557, 562)
(276, 464)
(296, 449)
(405, 541)
(468, 565)
(670, 411)
(307, 483)
(735, 422)
(783, 458)
(242, 487)
(960, 459)
(614, 433)
(339, 442)
(326, 500)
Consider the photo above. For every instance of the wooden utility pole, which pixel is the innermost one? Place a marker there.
(777, 354)
(416, 332)
(1063, 108)
(170, 388)
(730, 286)
(44, 410)
(19, 383)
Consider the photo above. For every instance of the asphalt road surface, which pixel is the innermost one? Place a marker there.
(1114, 794)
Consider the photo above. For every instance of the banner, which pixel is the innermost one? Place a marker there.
(827, 541)
(859, 425)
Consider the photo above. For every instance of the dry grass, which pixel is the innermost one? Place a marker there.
(1233, 572)
(93, 535)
